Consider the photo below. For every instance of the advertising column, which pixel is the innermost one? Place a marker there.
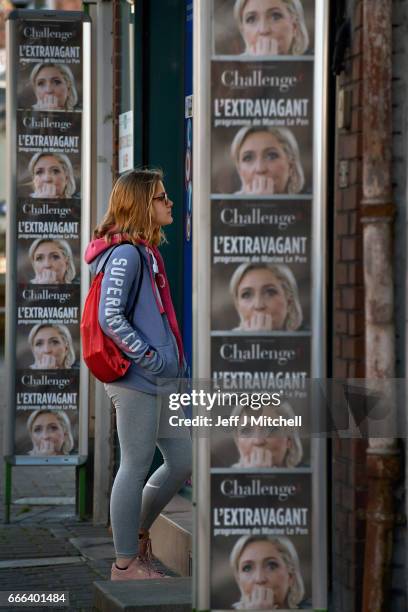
(261, 231)
(48, 217)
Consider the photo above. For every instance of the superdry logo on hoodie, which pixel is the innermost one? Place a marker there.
(113, 316)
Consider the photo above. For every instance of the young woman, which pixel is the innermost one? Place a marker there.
(136, 311)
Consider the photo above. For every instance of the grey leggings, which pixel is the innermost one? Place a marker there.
(132, 507)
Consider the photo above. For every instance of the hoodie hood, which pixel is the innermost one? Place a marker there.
(99, 245)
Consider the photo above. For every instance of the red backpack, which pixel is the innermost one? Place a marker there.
(102, 356)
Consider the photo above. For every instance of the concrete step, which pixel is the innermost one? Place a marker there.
(165, 595)
(171, 536)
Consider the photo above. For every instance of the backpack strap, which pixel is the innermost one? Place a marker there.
(105, 262)
(104, 259)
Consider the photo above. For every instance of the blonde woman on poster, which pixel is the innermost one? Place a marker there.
(52, 347)
(267, 572)
(52, 176)
(54, 87)
(266, 447)
(52, 261)
(266, 298)
(50, 433)
(267, 160)
(272, 27)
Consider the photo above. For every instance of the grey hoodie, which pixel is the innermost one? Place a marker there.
(139, 327)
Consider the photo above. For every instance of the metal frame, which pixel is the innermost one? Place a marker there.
(11, 258)
(85, 220)
(319, 274)
(201, 287)
(201, 293)
(11, 255)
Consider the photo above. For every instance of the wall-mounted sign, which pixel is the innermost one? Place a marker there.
(265, 282)
(48, 210)
(126, 141)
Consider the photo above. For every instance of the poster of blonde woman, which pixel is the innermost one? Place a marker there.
(261, 542)
(263, 28)
(260, 266)
(48, 156)
(48, 208)
(49, 261)
(261, 439)
(262, 127)
(47, 432)
(49, 345)
(50, 66)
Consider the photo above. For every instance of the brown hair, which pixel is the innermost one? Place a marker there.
(130, 208)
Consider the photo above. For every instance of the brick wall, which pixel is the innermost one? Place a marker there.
(348, 467)
(349, 457)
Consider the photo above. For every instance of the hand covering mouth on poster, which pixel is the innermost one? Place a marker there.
(255, 444)
(50, 67)
(263, 27)
(46, 432)
(260, 266)
(262, 127)
(261, 535)
(49, 261)
(48, 155)
(49, 175)
(49, 345)
(254, 161)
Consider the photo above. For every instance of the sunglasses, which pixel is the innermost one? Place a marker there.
(163, 197)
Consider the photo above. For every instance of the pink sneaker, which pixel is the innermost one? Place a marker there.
(138, 569)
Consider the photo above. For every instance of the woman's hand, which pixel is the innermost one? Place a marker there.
(45, 362)
(258, 321)
(45, 277)
(45, 447)
(47, 102)
(259, 457)
(47, 190)
(260, 598)
(264, 46)
(259, 185)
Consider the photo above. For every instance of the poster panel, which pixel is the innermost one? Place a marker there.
(49, 155)
(262, 128)
(262, 163)
(260, 244)
(255, 365)
(237, 32)
(261, 541)
(49, 69)
(49, 212)
(46, 433)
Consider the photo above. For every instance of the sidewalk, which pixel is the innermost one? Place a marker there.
(46, 547)
(37, 540)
